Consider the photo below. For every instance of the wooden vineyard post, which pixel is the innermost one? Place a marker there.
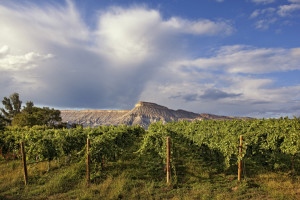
(240, 162)
(103, 161)
(168, 161)
(24, 162)
(88, 161)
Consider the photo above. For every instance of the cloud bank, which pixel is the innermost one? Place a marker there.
(245, 60)
(233, 81)
(51, 56)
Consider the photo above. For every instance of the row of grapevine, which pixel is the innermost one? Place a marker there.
(48, 144)
(271, 143)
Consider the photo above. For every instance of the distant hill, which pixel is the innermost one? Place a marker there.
(144, 113)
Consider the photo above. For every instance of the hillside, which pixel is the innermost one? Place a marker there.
(144, 113)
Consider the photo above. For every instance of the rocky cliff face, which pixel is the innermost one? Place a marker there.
(144, 113)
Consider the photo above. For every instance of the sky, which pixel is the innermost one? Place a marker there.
(224, 57)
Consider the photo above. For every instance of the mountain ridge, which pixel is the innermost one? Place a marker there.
(143, 114)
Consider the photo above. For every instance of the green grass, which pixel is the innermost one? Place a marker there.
(131, 180)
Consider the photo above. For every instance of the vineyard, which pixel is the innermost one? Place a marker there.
(201, 153)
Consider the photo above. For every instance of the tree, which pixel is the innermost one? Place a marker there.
(12, 107)
(2, 122)
(32, 115)
(23, 119)
(29, 107)
(29, 115)
(51, 117)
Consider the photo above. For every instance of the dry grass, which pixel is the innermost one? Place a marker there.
(281, 185)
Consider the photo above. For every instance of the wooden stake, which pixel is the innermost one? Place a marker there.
(88, 162)
(293, 162)
(240, 163)
(24, 162)
(103, 161)
(168, 161)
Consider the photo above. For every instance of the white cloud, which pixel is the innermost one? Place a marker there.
(200, 27)
(20, 62)
(295, 52)
(286, 10)
(131, 35)
(244, 59)
(128, 35)
(265, 17)
(294, 1)
(56, 24)
(263, 1)
(255, 13)
(268, 16)
(269, 12)
(264, 24)
(4, 50)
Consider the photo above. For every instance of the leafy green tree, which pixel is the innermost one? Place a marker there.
(24, 119)
(12, 114)
(2, 122)
(49, 117)
(32, 115)
(12, 106)
(29, 107)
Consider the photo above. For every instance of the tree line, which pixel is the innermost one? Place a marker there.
(14, 115)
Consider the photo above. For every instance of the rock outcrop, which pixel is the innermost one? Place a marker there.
(144, 113)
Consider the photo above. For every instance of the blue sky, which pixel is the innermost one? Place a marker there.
(227, 57)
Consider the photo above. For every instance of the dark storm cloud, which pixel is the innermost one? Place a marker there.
(186, 97)
(190, 97)
(209, 94)
(86, 80)
(216, 94)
